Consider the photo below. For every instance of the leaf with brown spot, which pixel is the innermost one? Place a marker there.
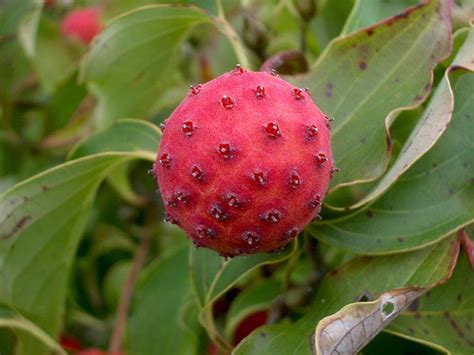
(431, 125)
(373, 78)
(432, 199)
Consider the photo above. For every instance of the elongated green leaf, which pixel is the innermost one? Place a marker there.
(364, 79)
(431, 200)
(41, 220)
(212, 274)
(365, 13)
(146, 138)
(432, 124)
(364, 276)
(153, 327)
(129, 64)
(13, 320)
(444, 317)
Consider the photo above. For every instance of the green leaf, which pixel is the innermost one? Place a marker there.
(36, 254)
(365, 13)
(129, 64)
(53, 58)
(212, 274)
(12, 320)
(362, 276)
(154, 327)
(365, 78)
(432, 124)
(146, 138)
(431, 200)
(444, 317)
(250, 300)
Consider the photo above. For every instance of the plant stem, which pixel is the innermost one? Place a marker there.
(127, 292)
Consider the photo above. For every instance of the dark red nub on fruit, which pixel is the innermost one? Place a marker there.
(197, 173)
(195, 89)
(321, 159)
(298, 93)
(244, 163)
(260, 91)
(227, 102)
(226, 151)
(272, 216)
(273, 131)
(259, 178)
(295, 180)
(165, 161)
(188, 128)
(312, 132)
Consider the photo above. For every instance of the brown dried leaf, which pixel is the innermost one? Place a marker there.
(355, 325)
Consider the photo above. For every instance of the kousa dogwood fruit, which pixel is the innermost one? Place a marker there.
(244, 162)
(82, 24)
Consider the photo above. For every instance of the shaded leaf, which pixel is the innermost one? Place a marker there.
(362, 81)
(36, 254)
(363, 276)
(12, 320)
(444, 317)
(432, 124)
(250, 300)
(129, 64)
(433, 198)
(53, 58)
(153, 326)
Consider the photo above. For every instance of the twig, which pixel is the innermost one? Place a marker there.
(127, 292)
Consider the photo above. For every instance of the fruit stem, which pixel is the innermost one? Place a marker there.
(224, 26)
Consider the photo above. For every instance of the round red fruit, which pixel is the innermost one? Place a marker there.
(249, 161)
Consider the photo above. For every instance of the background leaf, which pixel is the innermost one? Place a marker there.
(10, 319)
(154, 327)
(129, 64)
(35, 254)
(362, 78)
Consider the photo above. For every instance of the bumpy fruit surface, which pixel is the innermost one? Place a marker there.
(244, 163)
(83, 24)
